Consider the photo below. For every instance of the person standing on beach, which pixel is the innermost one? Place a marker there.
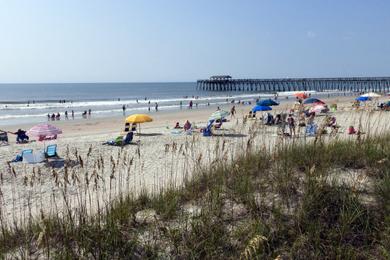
(181, 104)
(233, 111)
(149, 106)
(72, 114)
(156, 106)
(291, 125)
(66, 115)
(124, 110)
(89, 112)
(190, 105)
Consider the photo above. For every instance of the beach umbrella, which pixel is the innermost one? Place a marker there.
(267, 102)
(261, 108)
(44, 132)
(138, 119)
(313, 101)
(319, 109)
(371, 95)
(218, 115)
(301, 95)
(363, 99)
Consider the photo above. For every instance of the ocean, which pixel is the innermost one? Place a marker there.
(30, 103)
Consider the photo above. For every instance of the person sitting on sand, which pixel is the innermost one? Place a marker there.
(121, 140)
(177, 126)
(351, 130)
(21, 136)
(187, 126)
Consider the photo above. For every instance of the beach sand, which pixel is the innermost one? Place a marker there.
(94, 174)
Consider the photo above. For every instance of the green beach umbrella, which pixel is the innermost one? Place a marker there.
(220, 114)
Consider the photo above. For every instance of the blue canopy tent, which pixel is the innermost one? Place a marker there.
(261, 108)
(267, 102)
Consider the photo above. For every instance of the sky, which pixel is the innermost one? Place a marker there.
(186, 40)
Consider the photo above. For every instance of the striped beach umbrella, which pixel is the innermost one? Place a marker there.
(319, 109)
(44, 132)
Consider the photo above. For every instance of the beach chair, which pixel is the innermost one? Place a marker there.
(51, 151)
(3, 138)
(207, 130)
(128, 138)
(26, 151)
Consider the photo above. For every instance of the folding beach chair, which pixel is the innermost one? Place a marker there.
(51, 151)
(3, 138)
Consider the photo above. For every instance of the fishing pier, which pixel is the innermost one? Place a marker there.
(355, 84)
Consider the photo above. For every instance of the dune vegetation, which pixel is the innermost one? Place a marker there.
(310, 199)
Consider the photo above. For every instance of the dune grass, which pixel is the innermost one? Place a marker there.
(283, 204)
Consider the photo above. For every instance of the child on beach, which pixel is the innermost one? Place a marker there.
(291, 124)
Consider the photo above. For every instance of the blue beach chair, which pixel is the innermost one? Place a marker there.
(19, 157)
(207, 130)
(51, 151)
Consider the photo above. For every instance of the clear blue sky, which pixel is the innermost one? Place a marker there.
(183, 40)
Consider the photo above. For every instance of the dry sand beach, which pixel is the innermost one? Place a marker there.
(92, 174)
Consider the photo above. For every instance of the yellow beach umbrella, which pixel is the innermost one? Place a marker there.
(138, 119)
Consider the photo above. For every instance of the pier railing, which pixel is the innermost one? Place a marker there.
(359, 84)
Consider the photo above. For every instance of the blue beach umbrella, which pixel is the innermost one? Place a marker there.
(363, 99)
(267, 102)
(261, 108)
(312, 101)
